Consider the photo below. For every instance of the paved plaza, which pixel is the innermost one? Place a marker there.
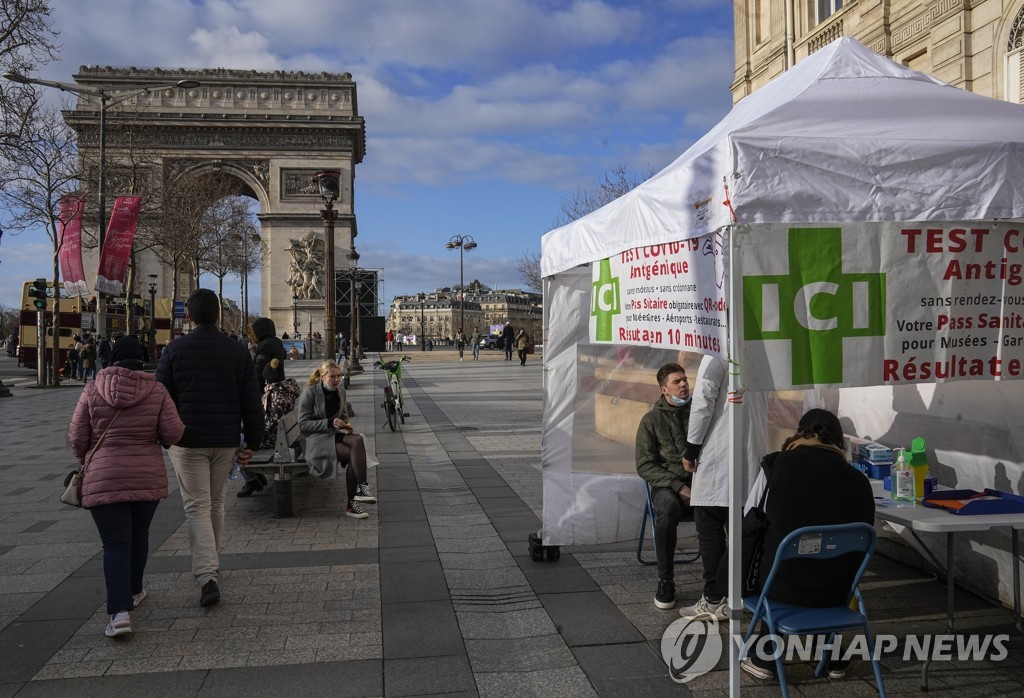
(434, 594)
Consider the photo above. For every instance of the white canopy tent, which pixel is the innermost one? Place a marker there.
(846, 136)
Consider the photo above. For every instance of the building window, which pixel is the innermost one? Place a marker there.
(827, 8)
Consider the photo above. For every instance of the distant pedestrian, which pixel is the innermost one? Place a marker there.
(508, 338)
(474, 340)
(213, 382)
(122, 417)
(389, 340)
(89, 357)
(460, 343)
(104, 350)
(523, 342)
(74, 363)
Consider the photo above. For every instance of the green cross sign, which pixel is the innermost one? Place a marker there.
(605, 301)
(815, 306)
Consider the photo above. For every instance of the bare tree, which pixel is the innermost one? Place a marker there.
(528, 266)
(185, 201)
(34, 176)
(9, 321)
(223, 224)
(616, 182)
(27, 40)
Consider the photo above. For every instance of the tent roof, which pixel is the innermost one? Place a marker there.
(845, 135)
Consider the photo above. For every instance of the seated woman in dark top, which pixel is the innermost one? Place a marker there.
(810, 483)
(328, 437)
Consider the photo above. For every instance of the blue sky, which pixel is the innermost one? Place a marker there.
(482, 116)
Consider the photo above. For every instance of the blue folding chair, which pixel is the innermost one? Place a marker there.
(817, 543)
(688, 556)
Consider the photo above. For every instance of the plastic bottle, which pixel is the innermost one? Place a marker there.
(919, 466)
(902, 479)
(236, 467)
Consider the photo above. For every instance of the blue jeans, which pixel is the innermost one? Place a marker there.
(124, 530)
(476, 351)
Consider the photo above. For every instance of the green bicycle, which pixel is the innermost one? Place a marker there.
(393, 405)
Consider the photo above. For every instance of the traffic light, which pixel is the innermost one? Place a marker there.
(38, 292)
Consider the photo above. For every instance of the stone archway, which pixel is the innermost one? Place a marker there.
(269, 131)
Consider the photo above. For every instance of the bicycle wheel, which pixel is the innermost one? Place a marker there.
(389, 410)
(397, 389)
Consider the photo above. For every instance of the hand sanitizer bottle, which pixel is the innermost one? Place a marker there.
(902, 480)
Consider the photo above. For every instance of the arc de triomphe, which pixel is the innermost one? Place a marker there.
(270, 131)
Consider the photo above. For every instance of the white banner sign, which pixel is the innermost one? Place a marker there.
(670, 296)
(880, 303)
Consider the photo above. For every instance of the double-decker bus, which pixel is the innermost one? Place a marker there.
(70, 325)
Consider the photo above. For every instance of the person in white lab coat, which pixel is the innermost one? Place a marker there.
(707, 457)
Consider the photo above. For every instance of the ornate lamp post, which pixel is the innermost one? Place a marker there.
(295, 316)
(463, 243)
(108, 96)
(152, 317)
(330, 187)
(353, 349)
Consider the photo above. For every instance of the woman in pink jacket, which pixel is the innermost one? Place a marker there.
(126, 477)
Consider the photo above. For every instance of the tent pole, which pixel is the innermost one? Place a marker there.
(736, 468)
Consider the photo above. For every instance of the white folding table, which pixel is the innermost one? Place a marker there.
(922, 519)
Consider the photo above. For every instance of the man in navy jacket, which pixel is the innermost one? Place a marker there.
(212, 380)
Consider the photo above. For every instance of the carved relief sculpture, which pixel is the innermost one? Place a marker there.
(305, 271)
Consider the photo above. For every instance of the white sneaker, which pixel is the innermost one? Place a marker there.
(120, 624)
(138, 598)
(704, 610)
(747, 665)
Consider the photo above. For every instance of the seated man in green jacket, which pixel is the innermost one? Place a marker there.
(660, 441)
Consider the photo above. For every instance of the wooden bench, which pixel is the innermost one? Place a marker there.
(288, 465)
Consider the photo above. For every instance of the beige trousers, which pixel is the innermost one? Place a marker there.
(202, 478)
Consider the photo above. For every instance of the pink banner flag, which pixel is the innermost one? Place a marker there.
(117, 245)
(69, 235)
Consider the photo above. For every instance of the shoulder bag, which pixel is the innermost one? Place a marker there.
(72, 494)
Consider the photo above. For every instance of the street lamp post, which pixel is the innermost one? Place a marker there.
(353, 341)
(152, 317)
(249, 236)
(463, 243)
(423, 336)
(108, 95)
(295, 316)
(329, 183)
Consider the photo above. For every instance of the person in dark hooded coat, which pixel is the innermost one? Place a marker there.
(263, 335)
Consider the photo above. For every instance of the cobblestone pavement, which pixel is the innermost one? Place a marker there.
(435, 593)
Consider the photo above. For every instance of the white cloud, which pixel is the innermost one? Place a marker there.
(227, 47)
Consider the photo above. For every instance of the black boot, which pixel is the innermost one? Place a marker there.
(250, 488)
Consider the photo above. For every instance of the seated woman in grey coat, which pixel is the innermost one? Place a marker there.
(327, 437)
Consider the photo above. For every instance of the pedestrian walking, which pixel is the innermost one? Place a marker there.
(213, 382)
(508, 337)
(120, 421)
(474, 341)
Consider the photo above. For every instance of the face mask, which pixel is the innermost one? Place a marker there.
(330, 388)
(678, 401)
